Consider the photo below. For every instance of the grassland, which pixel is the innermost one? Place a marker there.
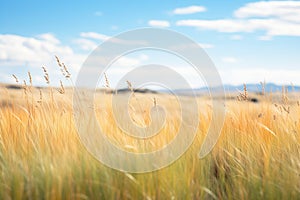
(41, 156)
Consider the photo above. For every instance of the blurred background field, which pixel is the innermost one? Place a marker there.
(41, 156)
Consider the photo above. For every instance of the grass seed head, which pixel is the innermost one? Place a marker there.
(16, 78)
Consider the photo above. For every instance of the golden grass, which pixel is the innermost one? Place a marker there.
(41, 157)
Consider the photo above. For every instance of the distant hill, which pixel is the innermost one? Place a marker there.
(255, 88)
(269, 87)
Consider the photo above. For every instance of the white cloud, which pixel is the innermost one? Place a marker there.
(265, 37)
(3, 55)
(191, 46)
(229, 60)
(222, 25)
(286, 10)
(189, 10)
(95, 36)
(101, 37)
(19, 50)
(49, 37)
(276, 18)
(85, 44)
(159, 23)
(20, 53)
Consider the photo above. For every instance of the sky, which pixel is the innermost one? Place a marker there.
(248, 41)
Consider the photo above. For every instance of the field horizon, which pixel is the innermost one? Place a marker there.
(43, 158)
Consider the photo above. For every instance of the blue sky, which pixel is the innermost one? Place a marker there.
(249, 41)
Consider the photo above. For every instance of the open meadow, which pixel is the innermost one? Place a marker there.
(41, 156)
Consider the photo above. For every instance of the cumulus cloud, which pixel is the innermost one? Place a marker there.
(276, 18)
(285, 10)
(159, 23)
(85, 44)
(20, 54)
(189, 10)
(49, 37)
(18, 50)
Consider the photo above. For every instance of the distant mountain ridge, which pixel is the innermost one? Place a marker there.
(268, 87)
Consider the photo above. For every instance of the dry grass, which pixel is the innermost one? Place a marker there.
(41, 157)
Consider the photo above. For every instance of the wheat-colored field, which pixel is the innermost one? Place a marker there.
(41, 156)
